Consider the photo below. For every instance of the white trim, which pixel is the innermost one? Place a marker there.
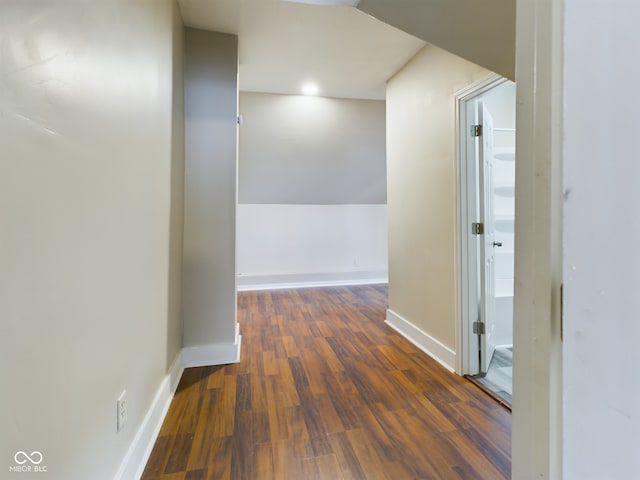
(306, 280)
(421, 339)
(478, 87)
(213, 354)
(537, 422)
(135, 460)
(137, 456)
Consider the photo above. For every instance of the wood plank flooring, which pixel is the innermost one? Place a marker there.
(325, 390)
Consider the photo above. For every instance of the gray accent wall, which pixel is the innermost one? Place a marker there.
(311, 150)
(211, 99)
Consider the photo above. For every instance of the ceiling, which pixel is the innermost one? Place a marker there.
(483, 32)
(283, 45)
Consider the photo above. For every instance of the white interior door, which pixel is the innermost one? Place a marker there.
(487, 241)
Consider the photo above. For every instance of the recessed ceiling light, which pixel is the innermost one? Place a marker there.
(310, 89)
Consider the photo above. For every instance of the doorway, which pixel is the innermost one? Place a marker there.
(486, 133)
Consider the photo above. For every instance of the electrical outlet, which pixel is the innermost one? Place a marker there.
(121, 410)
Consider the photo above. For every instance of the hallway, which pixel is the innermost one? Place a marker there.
(325, 390)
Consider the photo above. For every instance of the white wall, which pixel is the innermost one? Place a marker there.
(312, 191)
(311, 244)
(86, 207)
(601, 238)
(421, 165)
(211, 105)
(501, 103)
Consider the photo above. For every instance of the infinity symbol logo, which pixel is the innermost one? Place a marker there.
(35, 457)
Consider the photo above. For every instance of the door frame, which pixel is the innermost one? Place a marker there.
(467, 257)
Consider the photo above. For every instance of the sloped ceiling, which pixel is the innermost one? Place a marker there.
(482, 31)
(346, 52)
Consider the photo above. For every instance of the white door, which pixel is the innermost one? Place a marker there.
(487, 241)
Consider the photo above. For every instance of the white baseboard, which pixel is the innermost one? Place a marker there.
(139, 451)
(307, 280)
(215, 354)
(421, 339)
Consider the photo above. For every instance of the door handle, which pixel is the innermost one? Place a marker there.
(497, 244)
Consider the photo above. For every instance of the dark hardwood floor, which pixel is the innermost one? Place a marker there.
(325, 390)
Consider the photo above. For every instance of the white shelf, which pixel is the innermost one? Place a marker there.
(506, 154)
(504, 190)
(504, 223)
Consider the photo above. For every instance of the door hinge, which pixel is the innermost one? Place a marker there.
(477, 228)
(478, 328)
(476, 130)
